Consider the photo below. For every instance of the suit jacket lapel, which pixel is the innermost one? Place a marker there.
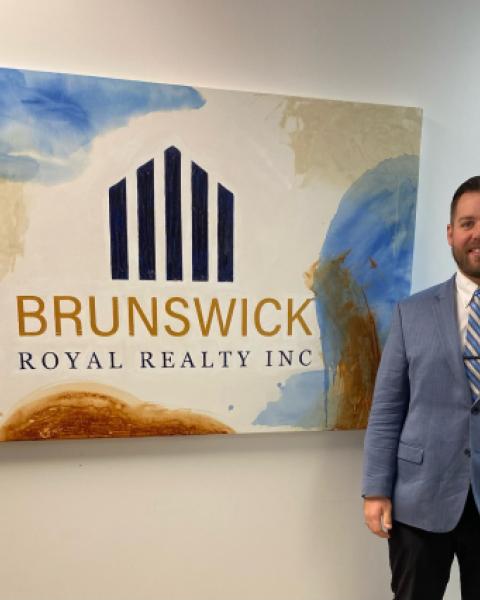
(446, 316)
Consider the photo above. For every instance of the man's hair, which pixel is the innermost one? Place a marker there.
(471, 185)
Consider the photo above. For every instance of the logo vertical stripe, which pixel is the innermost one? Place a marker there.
(199, 224)
(225, 233)
(173, 214)
(146, 220)
(146, 229)
(118, 230)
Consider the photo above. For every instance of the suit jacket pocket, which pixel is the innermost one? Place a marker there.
(409, 453)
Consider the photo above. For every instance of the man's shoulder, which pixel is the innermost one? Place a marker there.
(426, 296)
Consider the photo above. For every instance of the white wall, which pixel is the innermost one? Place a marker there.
(254, 517)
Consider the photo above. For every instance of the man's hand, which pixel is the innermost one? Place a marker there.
(378, 515)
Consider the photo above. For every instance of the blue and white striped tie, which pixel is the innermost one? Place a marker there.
(471, 353)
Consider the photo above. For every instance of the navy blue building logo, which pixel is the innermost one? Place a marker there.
(173, 224)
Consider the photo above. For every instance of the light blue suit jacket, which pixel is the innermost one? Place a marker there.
(422, 446)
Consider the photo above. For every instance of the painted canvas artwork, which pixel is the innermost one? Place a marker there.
(180, 260)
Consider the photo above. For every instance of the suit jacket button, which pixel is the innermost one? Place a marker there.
(467, 452)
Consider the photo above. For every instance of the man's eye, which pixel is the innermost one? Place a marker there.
(466, 224)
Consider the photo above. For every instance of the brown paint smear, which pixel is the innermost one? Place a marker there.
(356, 336)
(356, 372)
(80, 414)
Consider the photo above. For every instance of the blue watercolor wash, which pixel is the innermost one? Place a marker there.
(45, 118)
(300, 403)
(18, 168)
(375, 221)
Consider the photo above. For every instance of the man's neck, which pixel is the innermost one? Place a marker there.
(475, 280)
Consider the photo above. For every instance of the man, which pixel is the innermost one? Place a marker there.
(422, 447)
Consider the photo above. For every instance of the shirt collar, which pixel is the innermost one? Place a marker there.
(465, 288)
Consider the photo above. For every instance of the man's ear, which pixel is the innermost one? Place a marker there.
(449, 234)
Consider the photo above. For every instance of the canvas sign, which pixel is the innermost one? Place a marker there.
(178, 260)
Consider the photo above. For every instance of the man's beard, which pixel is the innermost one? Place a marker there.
(461, 258)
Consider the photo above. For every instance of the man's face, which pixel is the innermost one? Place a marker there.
(463, 235)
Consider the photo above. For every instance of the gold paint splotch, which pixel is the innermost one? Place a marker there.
(336, 142)
(309, 276)
(353, 332)
(13, 224)
(87, 412)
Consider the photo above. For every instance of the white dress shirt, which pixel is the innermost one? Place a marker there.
(465, 290)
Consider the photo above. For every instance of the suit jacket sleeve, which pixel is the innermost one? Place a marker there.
(389, 408)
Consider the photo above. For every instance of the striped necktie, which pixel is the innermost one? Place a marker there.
(471, 354)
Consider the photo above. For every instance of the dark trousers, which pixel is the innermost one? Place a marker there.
(421, 560)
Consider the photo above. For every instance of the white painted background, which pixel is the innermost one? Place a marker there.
(266, 517)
